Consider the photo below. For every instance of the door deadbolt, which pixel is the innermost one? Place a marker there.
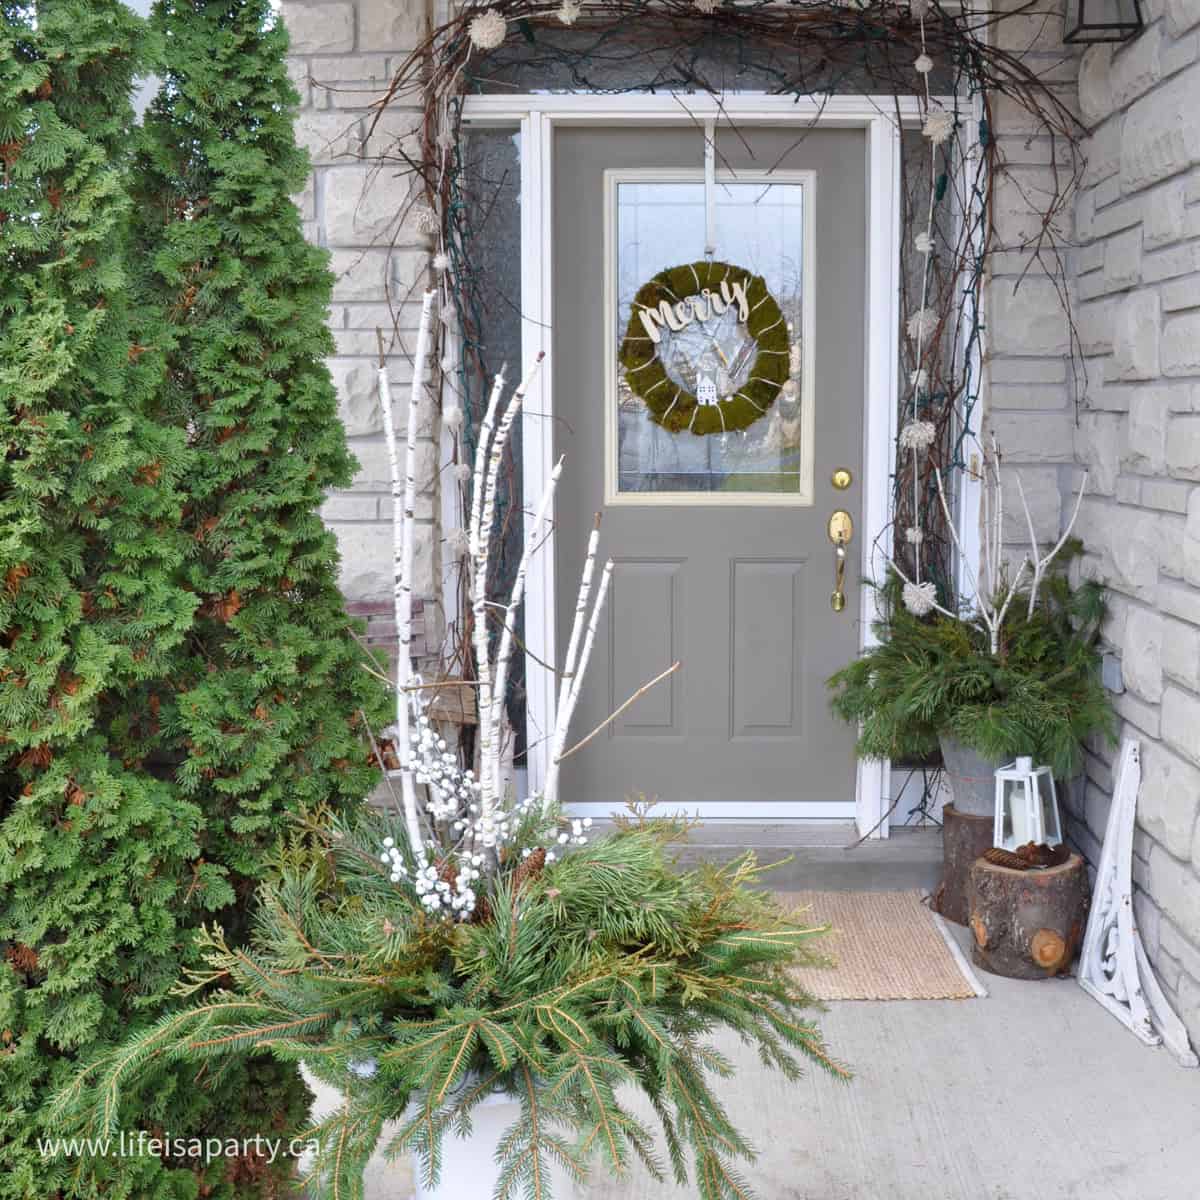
(841, 479)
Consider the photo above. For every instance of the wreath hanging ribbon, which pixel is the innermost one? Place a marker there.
(666, 302)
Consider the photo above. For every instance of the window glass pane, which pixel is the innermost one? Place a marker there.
(760, 227)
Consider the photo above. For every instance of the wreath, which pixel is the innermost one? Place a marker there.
(668, 296)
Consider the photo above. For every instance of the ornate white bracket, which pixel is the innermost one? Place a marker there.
(1113, 966)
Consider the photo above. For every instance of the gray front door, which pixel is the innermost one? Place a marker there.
(722, 558)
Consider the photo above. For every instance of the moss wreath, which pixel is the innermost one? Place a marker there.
(675, 408)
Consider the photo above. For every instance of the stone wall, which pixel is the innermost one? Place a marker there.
(1029, 398)
(343, 53)
(1138, 310)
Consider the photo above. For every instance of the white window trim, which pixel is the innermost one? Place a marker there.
(537, 115)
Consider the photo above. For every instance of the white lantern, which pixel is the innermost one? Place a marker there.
(1026, 806)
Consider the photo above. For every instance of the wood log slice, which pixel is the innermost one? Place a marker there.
(1027, 924)
(964, 838)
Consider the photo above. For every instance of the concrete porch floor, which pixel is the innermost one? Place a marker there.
(1034, 1093)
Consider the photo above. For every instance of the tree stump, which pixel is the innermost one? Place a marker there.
(964, 838)
(1027, 924)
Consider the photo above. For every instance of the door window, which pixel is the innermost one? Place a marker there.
(738, 352)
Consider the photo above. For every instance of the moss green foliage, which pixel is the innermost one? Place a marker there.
(606, 968)
(177, 674)
(932, 676)
(672, 406)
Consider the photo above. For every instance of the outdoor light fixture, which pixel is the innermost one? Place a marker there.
(1026, 806)
(1103, 20)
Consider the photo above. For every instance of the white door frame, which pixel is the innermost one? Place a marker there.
(537, 116)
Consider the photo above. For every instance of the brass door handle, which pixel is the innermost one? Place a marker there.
(840, 530)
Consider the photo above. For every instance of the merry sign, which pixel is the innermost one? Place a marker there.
(695, 308)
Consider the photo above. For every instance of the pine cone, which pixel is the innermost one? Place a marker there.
(1000, 857)
(530, 868)
(1036, 855)
(448, 872)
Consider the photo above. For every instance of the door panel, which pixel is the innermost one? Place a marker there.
(646, 606)
(738, 590)
(766, 673)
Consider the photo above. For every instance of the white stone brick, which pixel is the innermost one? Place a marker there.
(1129, 490)
(358, 403)
(319, 28)
(1182, 950)
(1123, 260)
(1096, 98)
(1175, 888)
(375, 473)
(1103, 152)
(1044, 497)
(1182, 15)
(1147, 448)
(1181, 723)
(366, 567)
(1136, 333)
(1141, 655)
(1170, 495)
(1028, 320)
(1180, 294)
(1164, 215)
(1171, 262)
(343, 506)
(1094, 323)
(1181, 345)
(1183, 447)
(1162, 136)
(1145, 716)
(1137, 67)
(1191, 541)
(1126, 543)
(1180, 600)
(1034, 437)
(1098, 445)
(1181, 652)
(329, 136)
(360, 274)
(1029, 370)
(362, 207)
(297, 69)
(388, 25)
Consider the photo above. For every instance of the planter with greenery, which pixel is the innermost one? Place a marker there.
(933, 678)
(466, 946)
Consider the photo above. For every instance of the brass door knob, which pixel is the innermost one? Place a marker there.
(841, 530)
(841, 479)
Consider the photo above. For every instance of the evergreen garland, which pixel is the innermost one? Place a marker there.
(933, 676)
(607, 967)
(177, 674)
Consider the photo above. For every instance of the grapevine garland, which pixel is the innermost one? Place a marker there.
(671, 405)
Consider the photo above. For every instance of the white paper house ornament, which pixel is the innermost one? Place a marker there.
(706, 390)
(1026, 806)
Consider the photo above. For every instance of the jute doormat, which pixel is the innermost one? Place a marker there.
(885, 946)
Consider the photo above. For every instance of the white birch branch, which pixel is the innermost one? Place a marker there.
(532, 540)
(403, 505)
(563, 722)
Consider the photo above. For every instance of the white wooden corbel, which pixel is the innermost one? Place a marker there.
(1113, 966)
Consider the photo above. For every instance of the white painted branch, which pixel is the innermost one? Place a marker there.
(532, 540)
(1040, 564)
(891, 562)
(564, 721)
(403, 504)
(489, 734)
